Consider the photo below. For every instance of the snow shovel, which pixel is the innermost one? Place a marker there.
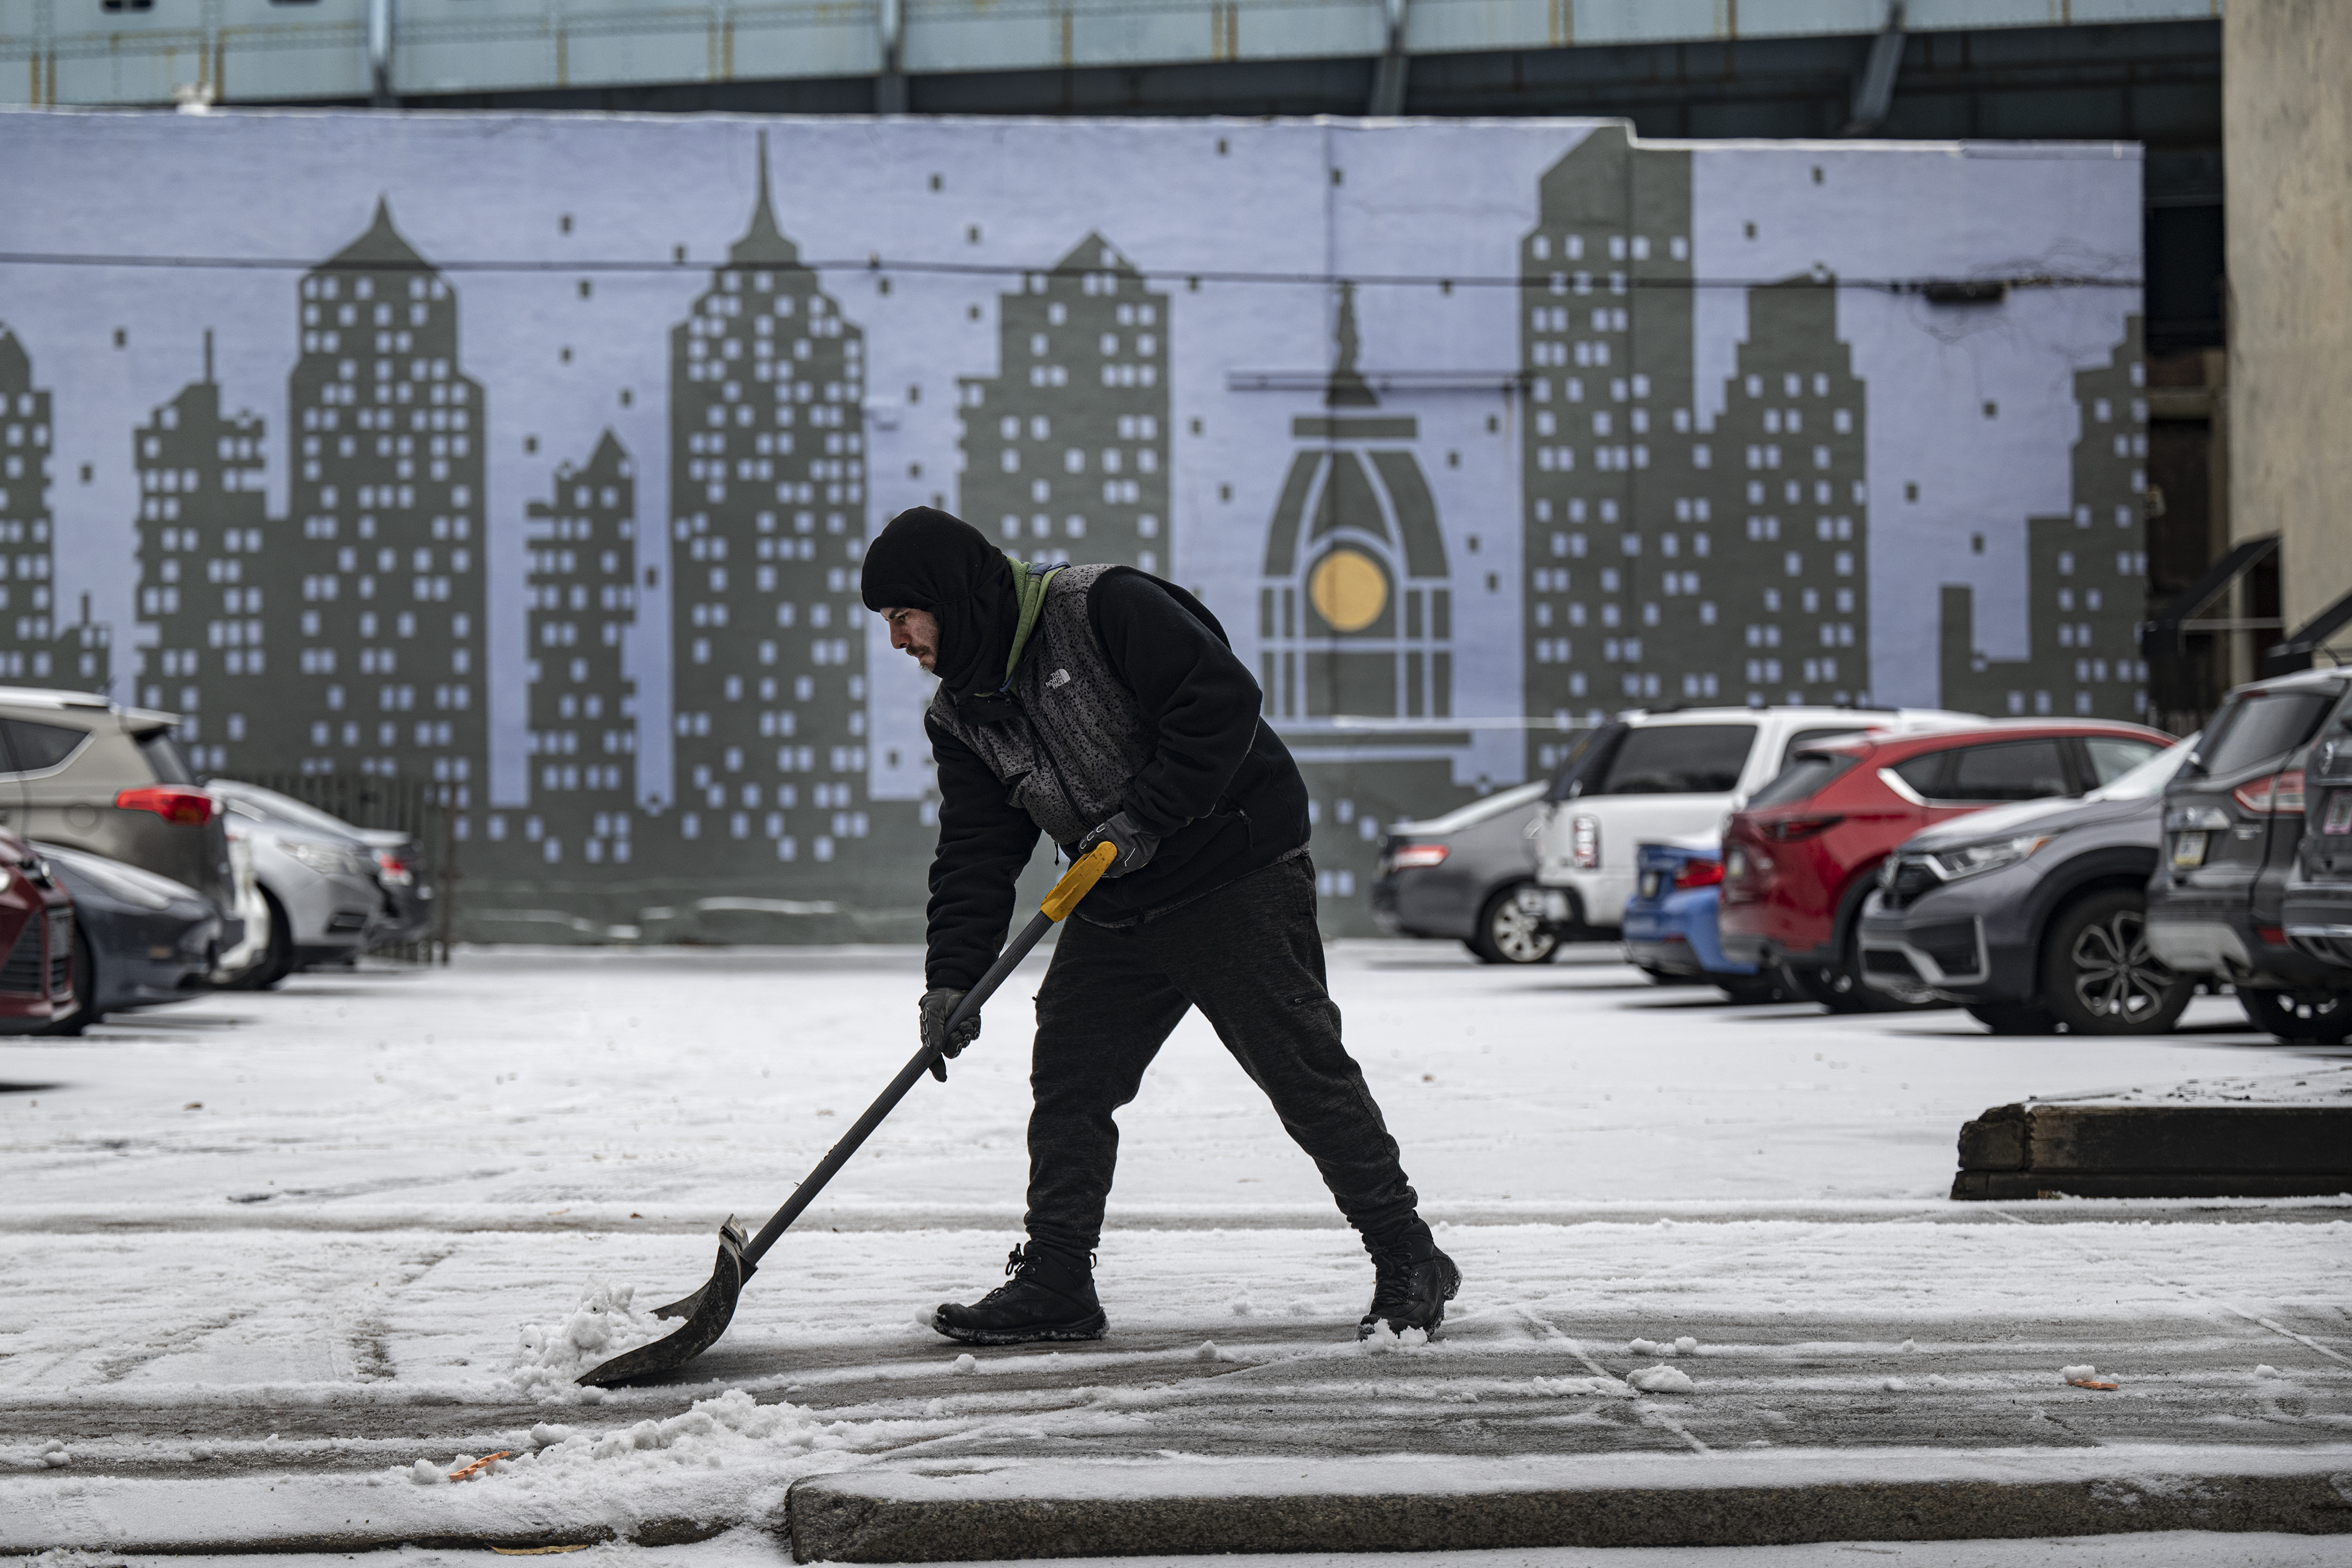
(710, 1309)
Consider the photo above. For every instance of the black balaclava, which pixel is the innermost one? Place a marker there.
(928, 560)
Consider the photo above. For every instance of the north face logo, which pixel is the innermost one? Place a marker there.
(1059, 677)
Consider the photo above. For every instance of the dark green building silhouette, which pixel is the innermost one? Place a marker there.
(378, 571)
(2086, 573)
(1671, 557)
(1065, 447)
(1774, 591)
(33, 647)
(768, 520)
(581, 592)
(202, 525)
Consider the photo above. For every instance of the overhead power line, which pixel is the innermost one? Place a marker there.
(1940, 290)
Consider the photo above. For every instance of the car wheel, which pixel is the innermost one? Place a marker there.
(2013, 1018)
(85, 987)
(277, 961)
(2323, 1017)
(1510, 932)
(2098, 976)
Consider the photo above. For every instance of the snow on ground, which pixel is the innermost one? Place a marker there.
(339, 1237)
(2311, 1083)
(755, 1549)
(703, 1083)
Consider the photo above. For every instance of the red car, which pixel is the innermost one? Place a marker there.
(36, 942)
(1802, 853)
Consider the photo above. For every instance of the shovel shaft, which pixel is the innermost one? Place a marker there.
(1076, 883)
(909, 1076)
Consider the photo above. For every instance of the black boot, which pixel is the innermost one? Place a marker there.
(1411, 1283)
(1049, 1296)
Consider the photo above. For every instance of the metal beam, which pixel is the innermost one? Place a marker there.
(78, 54)
(1389, 74)
(1873, 90)
(890, 81)
(379, 49)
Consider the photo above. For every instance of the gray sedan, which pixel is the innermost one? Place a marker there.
(1469, 876)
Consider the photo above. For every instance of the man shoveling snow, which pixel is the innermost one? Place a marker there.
(1102, 705)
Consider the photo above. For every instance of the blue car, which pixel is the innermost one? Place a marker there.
(1669, 928)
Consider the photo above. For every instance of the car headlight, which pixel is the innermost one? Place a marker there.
(325, 858)
(1974, 859)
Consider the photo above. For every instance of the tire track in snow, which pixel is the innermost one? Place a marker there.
(1650, 1412)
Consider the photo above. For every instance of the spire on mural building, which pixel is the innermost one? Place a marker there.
(763, 242)
(1348, 389)
(381, 246)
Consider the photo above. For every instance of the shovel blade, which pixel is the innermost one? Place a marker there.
(706, 1313)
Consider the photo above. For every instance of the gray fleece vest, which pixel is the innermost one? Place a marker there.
(1066, 757)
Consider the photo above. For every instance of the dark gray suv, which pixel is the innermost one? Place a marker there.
(2233, 828)
(77, 771)
(2317, 907)
(2034, 915)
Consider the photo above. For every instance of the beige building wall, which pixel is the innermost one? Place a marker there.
(2287, 150)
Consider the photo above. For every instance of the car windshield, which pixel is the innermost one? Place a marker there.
(129, 883)
(1807, 774)
(163, 756)
(2262, 726)
(2147, 779)
(287, 809)
(1679, 759)
(1587, 751)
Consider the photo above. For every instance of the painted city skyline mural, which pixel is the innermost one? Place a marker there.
(533, 459)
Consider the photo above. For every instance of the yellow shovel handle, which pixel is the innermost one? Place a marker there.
(1079, 879)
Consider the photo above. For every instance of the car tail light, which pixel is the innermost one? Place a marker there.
(396, 870)
(1406, 857)
(1794, 829)
(173, 803)
(1585, 843)
(2274, 936)
(1699, 874)
(2279, 793)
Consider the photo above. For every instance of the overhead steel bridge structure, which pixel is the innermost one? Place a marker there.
(899, 56)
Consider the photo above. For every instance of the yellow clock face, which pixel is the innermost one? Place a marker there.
(1347, 590)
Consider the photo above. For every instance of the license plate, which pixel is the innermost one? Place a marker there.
(2189, 849)
(2340, 814)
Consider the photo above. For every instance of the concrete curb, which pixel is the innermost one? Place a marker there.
(890, 1515)
(982, 1509)
(652, 1533)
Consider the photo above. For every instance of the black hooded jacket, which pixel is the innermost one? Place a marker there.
(1220, 788)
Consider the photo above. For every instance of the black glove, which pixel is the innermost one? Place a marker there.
(1136, 848)
(938, 1005)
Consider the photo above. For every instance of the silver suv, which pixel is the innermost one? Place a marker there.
(78, 770)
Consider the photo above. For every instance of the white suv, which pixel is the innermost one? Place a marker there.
(1651, 777)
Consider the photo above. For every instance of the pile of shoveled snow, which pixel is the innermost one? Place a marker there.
(1660, 1379)
(551, 1356)
(717, 1434)
(1686, 1345)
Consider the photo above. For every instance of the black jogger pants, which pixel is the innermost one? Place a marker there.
(1249, 956)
